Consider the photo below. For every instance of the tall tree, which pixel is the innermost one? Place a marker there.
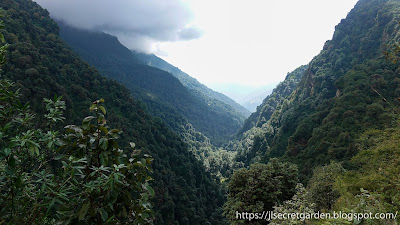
(259, 188)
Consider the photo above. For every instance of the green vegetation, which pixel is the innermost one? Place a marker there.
(339, 124)
(40, 64)
(327, 138)
(165, 96)
(299, 203)
(272, 101)
(375, 174)
(370, 186)
(259, 188)
(210, 96)
(253, 141)
(218, 162)
(321, 186)
(347, 88)
(341, 94)
(81, 177)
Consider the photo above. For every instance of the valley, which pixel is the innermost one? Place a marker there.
(92, 132)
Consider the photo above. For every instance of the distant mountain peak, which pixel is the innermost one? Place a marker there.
(190, 82)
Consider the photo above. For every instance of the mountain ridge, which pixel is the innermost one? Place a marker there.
(42, 65)
(188, 81)
(339, 125)
(212, 117)
(301, 129)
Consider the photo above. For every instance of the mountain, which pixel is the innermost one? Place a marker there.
(348, 88)
(252, 136)
(272, 101)
(247, 95)
(42, 65)
(164, 94)
(338, 122)
(251, 100)
(190, 82)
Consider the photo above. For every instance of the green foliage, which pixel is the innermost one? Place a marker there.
(54, 108)
(298, 204)
(218, 162)
(271, 102)
(210, 96)
(371, 186)
(393, 53)
(184, 191)
(81, 178)
(376, 169)
(348, 88)
(260, 188)
(165, 96)
(3, 47)
(321, 186)
(344, 109)
(257, 129)
(114, 187)
(24, 154)
(367, 203)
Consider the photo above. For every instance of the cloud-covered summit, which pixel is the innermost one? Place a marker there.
(138, 24)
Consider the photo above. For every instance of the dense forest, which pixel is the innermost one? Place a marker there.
(176, 103)
(126, 138)
(251, 137)
(336, 120)
(193, 111)
(189, 82)
(346, 89)
(40, 65)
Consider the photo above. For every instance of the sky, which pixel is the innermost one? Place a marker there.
(232, 46)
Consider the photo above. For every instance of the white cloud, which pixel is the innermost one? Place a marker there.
(255, 42)
(137, 23)
(246, 42)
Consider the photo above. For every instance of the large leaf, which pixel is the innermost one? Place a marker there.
(84, 210)
(103, 213)
(151, 190)
(103, 109)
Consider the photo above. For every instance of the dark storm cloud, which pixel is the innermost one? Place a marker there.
(137, 23)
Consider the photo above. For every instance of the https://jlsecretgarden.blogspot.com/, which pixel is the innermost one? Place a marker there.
(271, 215)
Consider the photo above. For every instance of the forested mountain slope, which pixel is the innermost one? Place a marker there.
(165, 95)
(348, 88)
(42, 65)
(190, 82)
(340, 126)
(271, 102)
(252, 136)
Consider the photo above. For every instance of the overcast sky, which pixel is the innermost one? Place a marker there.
(222, 43)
